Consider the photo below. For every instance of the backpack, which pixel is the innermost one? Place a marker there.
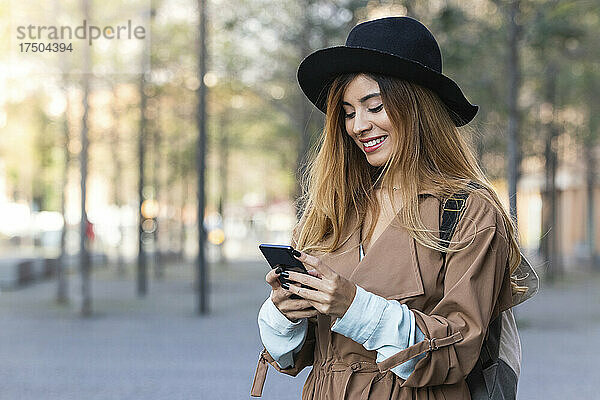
(496, 372)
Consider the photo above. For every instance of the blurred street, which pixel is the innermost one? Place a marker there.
(157, 348)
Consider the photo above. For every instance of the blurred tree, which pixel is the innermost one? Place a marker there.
(551, 28)
(587, 87)
(43, 190)
(201, 92)
(145, 221)
(62, 294)
(62, 289)
(84, 255)
(156, 184)
(514, 82)
(117, 171)
(590, 145)
(281, 38)
(142, 138)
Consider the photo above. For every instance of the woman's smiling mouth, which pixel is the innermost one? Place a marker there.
(373, 144)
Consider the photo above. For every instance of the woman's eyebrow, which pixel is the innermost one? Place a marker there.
(363, 99)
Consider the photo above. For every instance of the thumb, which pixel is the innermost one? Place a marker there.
(272, 279)
(317, 264)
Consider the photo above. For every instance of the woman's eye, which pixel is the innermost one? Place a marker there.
(350, 115)
(376, 109)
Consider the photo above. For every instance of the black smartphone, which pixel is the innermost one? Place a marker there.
(281, 255)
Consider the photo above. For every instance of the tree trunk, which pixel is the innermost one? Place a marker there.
(410, 12)
(84, 256)
(223, 176)
(158, 233)
(514, 81)
(303, 122)
(591, 212)
(550, 198)
(117, 180)
(202, 273)
(591, 143)
(182, 230)
(62, 292)
(141, 264)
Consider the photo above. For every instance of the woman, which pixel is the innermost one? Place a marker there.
(388, 311)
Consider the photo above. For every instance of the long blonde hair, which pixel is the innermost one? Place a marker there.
(430, 154)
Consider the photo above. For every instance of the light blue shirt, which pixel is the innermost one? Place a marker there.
(385, 326)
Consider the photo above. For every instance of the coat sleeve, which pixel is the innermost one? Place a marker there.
(474, 279)
(302, 359)
(305, 356)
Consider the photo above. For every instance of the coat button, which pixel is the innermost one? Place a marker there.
(355, 367)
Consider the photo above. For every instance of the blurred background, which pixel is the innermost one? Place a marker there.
(112, 154)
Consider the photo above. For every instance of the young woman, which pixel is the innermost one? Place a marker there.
(388, 311)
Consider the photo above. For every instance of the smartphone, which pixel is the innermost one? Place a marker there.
(281, 255)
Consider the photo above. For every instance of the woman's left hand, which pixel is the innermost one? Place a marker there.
(329, 293)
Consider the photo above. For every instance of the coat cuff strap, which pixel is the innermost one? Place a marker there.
(418, 349)
(260, 375)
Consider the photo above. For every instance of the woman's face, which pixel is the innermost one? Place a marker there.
(366, 120)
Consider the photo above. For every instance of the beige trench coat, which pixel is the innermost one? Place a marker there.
(453, 305)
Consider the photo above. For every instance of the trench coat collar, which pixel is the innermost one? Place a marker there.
(390, 268)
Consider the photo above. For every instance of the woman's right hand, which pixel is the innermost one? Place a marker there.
(293, 309)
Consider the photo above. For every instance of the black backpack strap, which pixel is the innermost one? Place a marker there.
(452, 209)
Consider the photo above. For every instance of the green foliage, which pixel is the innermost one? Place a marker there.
(256, 106)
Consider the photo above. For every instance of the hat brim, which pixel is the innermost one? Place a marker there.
(318, 70)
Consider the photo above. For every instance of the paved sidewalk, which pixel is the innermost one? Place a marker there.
(157, 348)
(152, 348)
(560, 329)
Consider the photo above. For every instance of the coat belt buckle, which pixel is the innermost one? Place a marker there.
(432, 345)
(355, 366)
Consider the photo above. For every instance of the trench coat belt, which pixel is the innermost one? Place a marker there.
(350, 369)
(260, 375)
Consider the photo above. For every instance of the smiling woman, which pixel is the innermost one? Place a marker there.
(396, 304)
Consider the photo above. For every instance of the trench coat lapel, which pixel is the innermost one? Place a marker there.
(390, 269)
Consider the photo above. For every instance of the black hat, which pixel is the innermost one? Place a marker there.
(401, 47)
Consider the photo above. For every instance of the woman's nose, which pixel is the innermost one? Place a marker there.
(361, 124)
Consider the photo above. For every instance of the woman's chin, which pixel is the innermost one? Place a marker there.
(376, 160)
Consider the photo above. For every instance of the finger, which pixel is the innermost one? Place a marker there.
(313, 282)
(272, 279)
(315, 273)
(280, 295)
(302, 314)
(308, 294)
(317, 264)
(294, 305)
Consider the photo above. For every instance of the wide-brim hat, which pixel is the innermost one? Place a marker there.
(401, 47)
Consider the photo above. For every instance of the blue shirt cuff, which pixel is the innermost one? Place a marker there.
(281, 337)
(276, 320)
(353, 323)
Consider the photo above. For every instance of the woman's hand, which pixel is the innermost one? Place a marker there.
(293, 309)
(332, 294)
